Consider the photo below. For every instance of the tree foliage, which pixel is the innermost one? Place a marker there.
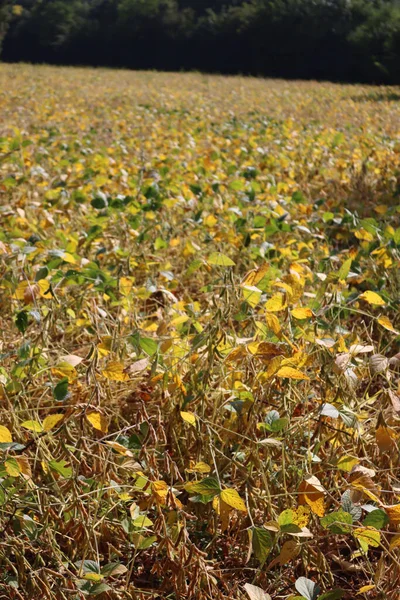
(325, 39)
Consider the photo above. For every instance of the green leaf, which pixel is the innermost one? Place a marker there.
(88, 566)
(194, 266)
(202, 498)
(286, 524)
(216, 258)
(237, 185)
(148, 345)
(21, 321)
(377, 518)
(206, 487)
(99, 588)
(274, 423)
(142, 522)
(99, 203)
(337, 522)
(61, 468)
(344, 269)
(147, 542)
(60, 391)
(261, 542)
(42, 273)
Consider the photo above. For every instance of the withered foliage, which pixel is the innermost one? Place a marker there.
(199, 338)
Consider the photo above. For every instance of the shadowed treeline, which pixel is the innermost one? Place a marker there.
(342, 40)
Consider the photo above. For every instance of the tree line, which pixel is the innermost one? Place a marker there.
(340, 40)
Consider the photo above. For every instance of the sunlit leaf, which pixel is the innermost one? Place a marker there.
(232, 499)
(387, 324)
(291, 373)
(189, 418)
(302, 313)
(115, 371)
(372, 298)
(216, 258)
(367, 537)
(98, 421)
(32, 426)
(5, 435)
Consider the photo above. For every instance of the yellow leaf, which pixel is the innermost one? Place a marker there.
(12, 467)
(368, 535)
(251, 295)
(98, 421)
(273, 323)
(301, 516)
(17, 10)
(125, 285)
(160, 491)
(32, 426)
(179, 320)
(385, 322)
(267, 350)
(232, 498)
(393, 512)
(210, 221)
(44, 288)
(285, 286)
(189, 417)
(395, 542)
(372, 298)
(51, 421)
(291, 373)
(364, 235)
(104, 348)
(222, 509)
(93, 577)
(119, 448)
(160, 487)
(301, 313)
(64, 369)
(24, 466)
(68, 258)
(272, 368)
(216, 258)
(346, 463)
(255, 276)
(365, 588)
(27, 291)
(275, 303)
(200, 467)
(311, 492)
(115, 372)
(5, 435)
